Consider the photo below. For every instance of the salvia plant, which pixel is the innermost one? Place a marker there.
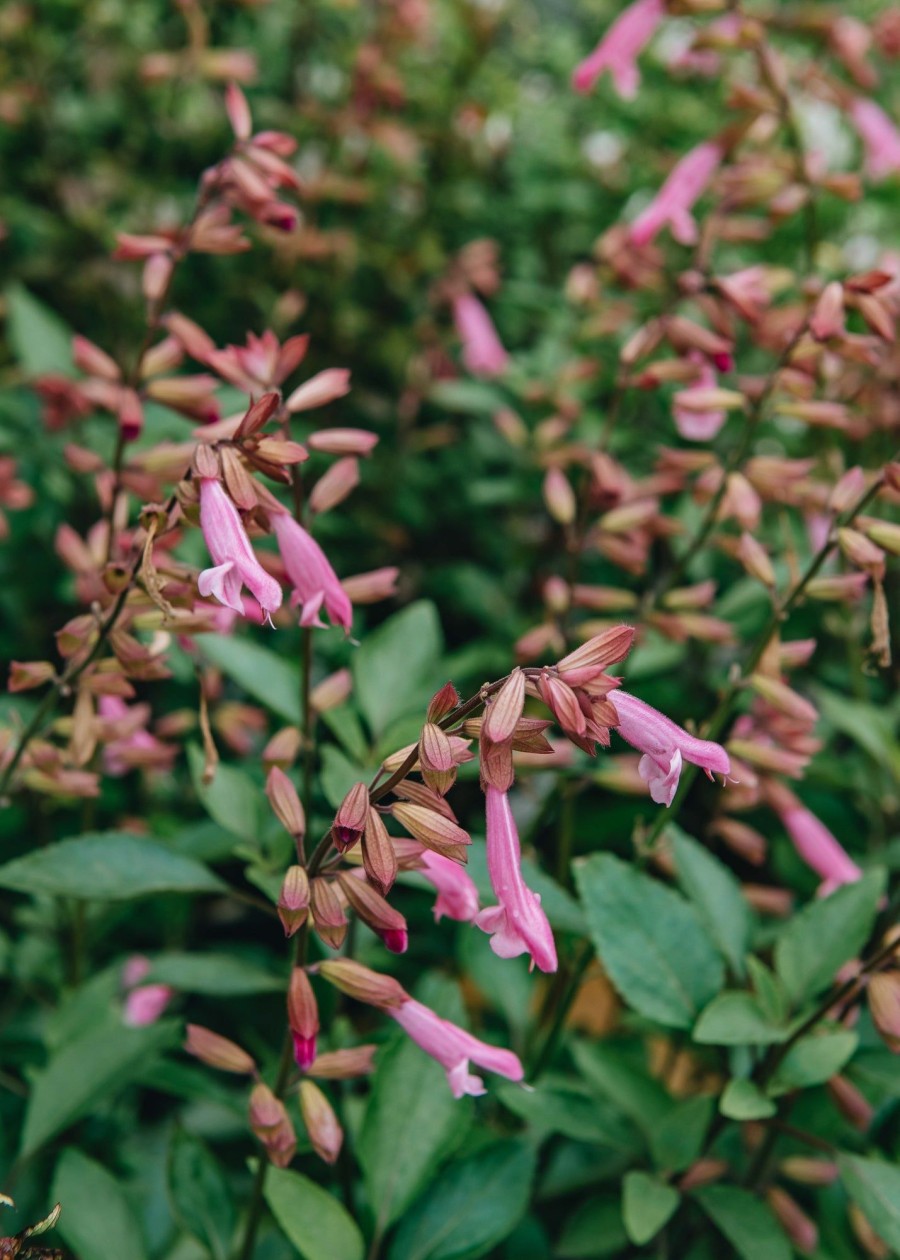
(432, 435)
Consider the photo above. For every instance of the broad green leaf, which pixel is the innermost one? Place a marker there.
(768, 990)
(573, 1113)
(619, 1077)
(677, 1139)
(344, 724)
(88, 1071)
(647, 1203)
(40, 341)
(106, 866)
(200, 1194)
(232, 799)
(339, 773)
(96, 1221)
(471, 1208)
(218, 975)
(650, 940)
(412, 1122)
(825, 934)
(476, 397)
(562, 910)
(717, 896)
(875, 1186)
(871, 726)
(268, 677)
(744, 1100)
(317, 1224)
(736, 1019)
(745, 1221)
(394, 668)
(814, 1060)
(593, 1231)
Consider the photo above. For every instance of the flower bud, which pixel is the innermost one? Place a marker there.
(862, 552)
(320, 389)
(328, 916)
(342, 1065)
(885, 534)
(755, 560)
(431, 829)
(827, 319)
(442, 703)
(848, 490)
(800, 1229)
(884, 1003)
(334, 485)
(294, 899)
(331, 691)
(807, 1171)
(156, 276)
(369, 588)
(562, 702)
(363, 984)
(342, 441)
(286, 803)
(784, 699)
(594, 656)
(504, 710)
(217, 1052)
(321, 1123)
(303, 1018)
(238, 482)
(350, 820)
(838, 587)
(93, 361)
(282, 748)
(24, 675)
(238, 112)
(271, 1125)
(379, 856)
(852, 1104)
(436, 758)
(372, 908)
(559, 497)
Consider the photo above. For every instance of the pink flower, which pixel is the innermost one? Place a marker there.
(880, 138)
(619, 48)
(453, 1048)
(673, 203)
(235, 562)
(697, 426)
(457, 895)
(315, 582)
(145, 1002)
(665, 746)
(483, 353)
(133, 746)
(517, 925)
(818, 848)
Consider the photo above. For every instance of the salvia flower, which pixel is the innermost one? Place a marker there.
(234, 560)
(315, 582)
(454, 1048)
(144, 1003)
(814, 843)
(517, 925)
(483, 352)
(673, 203)
(665, 745)
(880, 138)
(619, 49)
(457, 896)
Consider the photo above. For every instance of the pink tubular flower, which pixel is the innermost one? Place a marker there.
(315, 583)
(880, 138)
(235, 562)
(453, 1048)
(815, 844)
(517, 925)
(619, 49)
(672, 204)
(457, 895)
(665, 746)
(483, 353)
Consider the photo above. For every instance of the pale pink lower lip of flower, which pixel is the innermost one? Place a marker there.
(619, 48)
(483, 352)
(234, 559)
(315, 583)
(457, 895)
(664, 745)
(673, 203)
(454, 1048)
(517, 925)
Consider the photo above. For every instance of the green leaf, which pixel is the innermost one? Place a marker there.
(650, 941)
(344, 724)
(562, 910)
(744, 1100)
(573, 1113)
(647, 1203)
(875, 1186)
(88, 1071)
(814, 1060)
(717, 895)
(106, 866)
(96, 1221)
(620, 1078)
(770, 993)
(412, 1121)
(262, 673)
(394, 669)
(471, 1208)
(592, 1232)
(825, 934)
(40, 341)
(315, 1222)
(736, 1019)
(871, 726)
(745, 1221)
(232, 799)
(218, 975)
(200, 1194)
(678, 1137)
(338, 774)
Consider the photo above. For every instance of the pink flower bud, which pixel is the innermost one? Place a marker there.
(370, 588)
(374, 911)
(145, 1004)
(342, 441)
(323, 388)
(483, 353)
(322, 1125)
(286, 803)
(270, 1123)
(93, 361)
(350, 820)
(362, 983)
(335, 485)
(218, 1052)
(379, 855)
(880, 138)
(342, 1065)
(303, 1018)
(293, 900)
(238, 112)
(559, 497)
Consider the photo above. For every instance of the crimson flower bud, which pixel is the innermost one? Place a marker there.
(303, 1018)
(350, 820)
(372, 908)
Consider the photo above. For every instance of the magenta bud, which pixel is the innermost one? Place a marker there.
(304, 1051)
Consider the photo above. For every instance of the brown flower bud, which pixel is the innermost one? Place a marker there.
(238, 482)
(282, 748)
(342, 1065)
(217, 1052)
(827, 319)
(442, 703)
(800, 1229)
(328, 915)
(286, 803)
(350, 820)
(754, 558)
(303, 1018)
(504, 710)
(436, 758)
(331, 691)
(294, 899)
(431, 829)
(372, 908)
(270, 1123)
(24, 675)
(379, 856)
(322, 1125)
(362, 983)
(596, 655)
(884, 1003)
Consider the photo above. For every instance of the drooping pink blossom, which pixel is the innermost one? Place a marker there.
(454, 1048)
(234, 560)
(665, 745)
(144, 1003)
(673, 203)
(694, 425)
(619, 49)
(457, 895)
(482, 351)
(880, 138)
(815, 844)
(315, 582)
(517, 925)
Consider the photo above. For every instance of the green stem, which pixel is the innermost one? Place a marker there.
(559, 1000)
